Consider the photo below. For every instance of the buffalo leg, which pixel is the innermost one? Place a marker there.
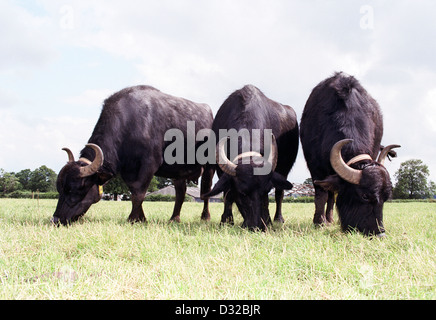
(279, 199)
(206, 184)
(320, 201)
(138, 190)
(137, 214)
(227, 216)
(180, 186)
(330, 204)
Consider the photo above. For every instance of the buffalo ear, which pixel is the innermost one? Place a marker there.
(331, 183)
(103, 177)
(280, 182)
(222, 185)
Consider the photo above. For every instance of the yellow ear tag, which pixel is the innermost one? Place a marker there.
(100, 190)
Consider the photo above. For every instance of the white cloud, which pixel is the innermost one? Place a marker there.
(9, 99)
(25, 42)
(429, 110)
(89, 98)
(29, 142)
(204, 50)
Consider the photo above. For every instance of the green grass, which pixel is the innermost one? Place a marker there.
(104, 257)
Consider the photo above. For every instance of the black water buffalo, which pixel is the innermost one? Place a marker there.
(128, 139)
(249, 110)
(341, 130)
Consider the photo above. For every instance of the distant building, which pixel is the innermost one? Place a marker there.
(299, 190)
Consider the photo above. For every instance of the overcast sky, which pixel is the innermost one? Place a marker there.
(60, 60)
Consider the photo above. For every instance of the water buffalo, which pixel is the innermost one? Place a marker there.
(128, 139)
(241, 179)
(341, 130)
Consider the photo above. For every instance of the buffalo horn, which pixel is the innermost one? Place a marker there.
(358, 158)
(224, 163)
(95, 165)
(342, 169)
(70, 154)
(250, 154)
(384, 153)
(272, 158)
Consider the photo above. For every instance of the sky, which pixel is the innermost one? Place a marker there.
(59, 60)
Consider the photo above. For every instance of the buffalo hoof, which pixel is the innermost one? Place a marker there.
(205, 216)
(330, 221)
(227, 220)
(379, 236)
(321, 222)
(175, 219)
(382, 236)
(279, 219)
(134, 220)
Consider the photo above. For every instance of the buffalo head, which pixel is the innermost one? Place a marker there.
(78, 186)
(362, 185)
(248, 189)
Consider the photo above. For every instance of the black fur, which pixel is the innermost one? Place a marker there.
(130, 132)
(248, 108)
(340, 108)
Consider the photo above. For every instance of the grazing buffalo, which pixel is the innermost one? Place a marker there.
(128, 139)
(243, 179)
(341, 131)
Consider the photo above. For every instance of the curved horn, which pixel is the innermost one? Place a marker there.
(70, 154)
(95, 165)
(342, 169)
(384, 153)
(224, 163)
(250, 154)
(273, 154)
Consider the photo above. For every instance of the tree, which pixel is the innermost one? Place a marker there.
(432, 187)
(308, 181)
(162, 182)
(116, 186)
(154, 185)
(412, 181)
(43, 179)
(24, 178)
(8, 182)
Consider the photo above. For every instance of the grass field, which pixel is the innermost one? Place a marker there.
(104, 257)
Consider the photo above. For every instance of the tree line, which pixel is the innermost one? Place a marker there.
(43, 179)
(412, 182)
